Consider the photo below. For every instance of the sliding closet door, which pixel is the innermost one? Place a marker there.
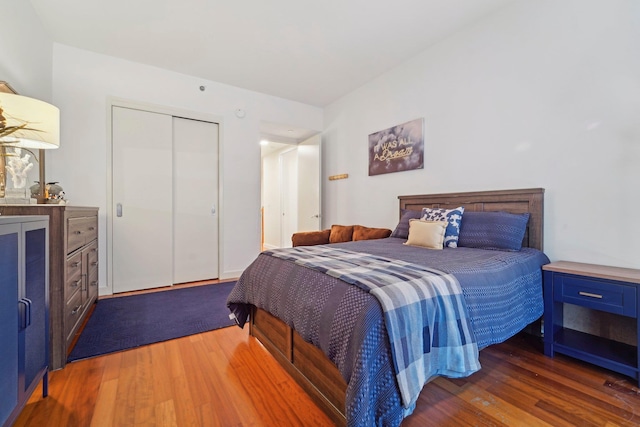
(195, 205)
(142, 199)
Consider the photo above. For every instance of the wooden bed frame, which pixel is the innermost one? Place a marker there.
(308, 365)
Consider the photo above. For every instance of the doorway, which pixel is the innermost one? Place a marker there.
(290, 189)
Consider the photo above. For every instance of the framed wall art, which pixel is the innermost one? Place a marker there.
(398, 148)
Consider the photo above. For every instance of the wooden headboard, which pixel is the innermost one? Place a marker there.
(515, 201)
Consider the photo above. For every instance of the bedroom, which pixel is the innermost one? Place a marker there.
(538, 94)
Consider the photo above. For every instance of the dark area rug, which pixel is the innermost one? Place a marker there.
(132, 321)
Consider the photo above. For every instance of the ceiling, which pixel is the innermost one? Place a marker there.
(277, 132)
(313, 52)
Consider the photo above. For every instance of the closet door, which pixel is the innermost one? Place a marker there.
(195, 195)
(142, 187)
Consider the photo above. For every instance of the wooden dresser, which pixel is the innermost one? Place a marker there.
(73, 270)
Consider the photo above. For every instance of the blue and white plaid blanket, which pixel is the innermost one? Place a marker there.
(425, 314)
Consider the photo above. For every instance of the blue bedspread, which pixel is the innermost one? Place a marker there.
(502, 292)
(426, 319)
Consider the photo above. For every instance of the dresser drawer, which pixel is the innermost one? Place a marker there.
(73, 285)
(92, 256)
(73, 313)
(73, 275)
(81, 231)
(92, 286)
(596, 294)
(91, 232)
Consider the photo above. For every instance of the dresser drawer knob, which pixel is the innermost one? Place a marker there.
(91, 228)
(590, 295)
(94, 263)
(75, 310)
(76, 283)
(94, 283)
(75, 264)
(77, 232)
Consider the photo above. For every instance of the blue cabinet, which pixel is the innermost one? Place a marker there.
(24, 311)
(602, 288)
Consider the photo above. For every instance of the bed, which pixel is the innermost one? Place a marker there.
(331, 336)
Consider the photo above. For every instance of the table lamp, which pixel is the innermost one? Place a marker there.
(26, 123)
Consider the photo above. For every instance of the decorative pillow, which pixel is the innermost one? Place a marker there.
(493, 230)
(452, 216)
(427, 234)
(402, 229)
(367, 233)
(310, 238)
(341, 233)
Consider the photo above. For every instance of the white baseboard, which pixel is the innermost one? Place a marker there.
(230, 275)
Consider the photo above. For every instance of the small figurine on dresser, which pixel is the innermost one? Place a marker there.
(53, 193)
(16, 165)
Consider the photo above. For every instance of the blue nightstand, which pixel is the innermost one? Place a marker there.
(609, 289)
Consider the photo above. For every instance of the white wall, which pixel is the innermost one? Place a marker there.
(83, 82)
(25, 50)
(544, 93)
(26, 53)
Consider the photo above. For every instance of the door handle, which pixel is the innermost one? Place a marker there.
(28, 317)
(22, 310)
(213, 210)
(119, 210)
(25, 313)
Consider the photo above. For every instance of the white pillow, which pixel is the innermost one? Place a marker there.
(426, 234)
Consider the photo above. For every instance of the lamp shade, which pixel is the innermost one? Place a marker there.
(41, 122)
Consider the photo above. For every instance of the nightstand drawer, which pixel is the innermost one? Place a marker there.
(596, 294)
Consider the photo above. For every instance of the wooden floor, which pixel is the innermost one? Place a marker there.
(225, 378)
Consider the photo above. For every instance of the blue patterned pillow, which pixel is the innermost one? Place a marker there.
(493, 230)
(402, 229)
(452, 216)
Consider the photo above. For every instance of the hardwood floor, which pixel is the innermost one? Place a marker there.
(226, 378)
